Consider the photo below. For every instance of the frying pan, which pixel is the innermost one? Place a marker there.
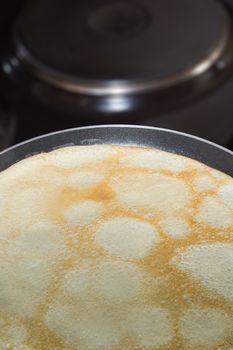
(167, 140)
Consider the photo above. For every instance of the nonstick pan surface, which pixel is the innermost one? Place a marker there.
(164, 139)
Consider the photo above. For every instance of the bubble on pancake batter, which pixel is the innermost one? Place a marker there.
(211, 264)
(205, 327)
(85, 179)
(41, 239)
(218, 175)
(8, 345)
(77, 280)
(2, 203)
(152, 192)
(150, 326)
(226, 194)
(215, 214)
(152, 159)
(127, 238)
(83, 213)
(24, 284)
(26, 206)
(118, 281)
(16, 334)
(86, 325)
(175, 227)
(72, 157)
(4, 345)
(5, 232)
(112, 280)
(204, 183)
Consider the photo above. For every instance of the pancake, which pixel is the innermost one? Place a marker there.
(110, 247)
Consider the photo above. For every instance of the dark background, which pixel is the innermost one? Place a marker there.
(210, 117)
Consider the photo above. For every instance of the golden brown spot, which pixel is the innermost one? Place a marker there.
(102, 193)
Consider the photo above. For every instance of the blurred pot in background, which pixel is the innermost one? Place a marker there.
(160, 63)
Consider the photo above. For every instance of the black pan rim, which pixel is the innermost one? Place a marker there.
(119, 126)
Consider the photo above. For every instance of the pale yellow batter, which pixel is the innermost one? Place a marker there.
(115, 248)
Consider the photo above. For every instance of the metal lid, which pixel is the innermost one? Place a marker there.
(100, 47)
